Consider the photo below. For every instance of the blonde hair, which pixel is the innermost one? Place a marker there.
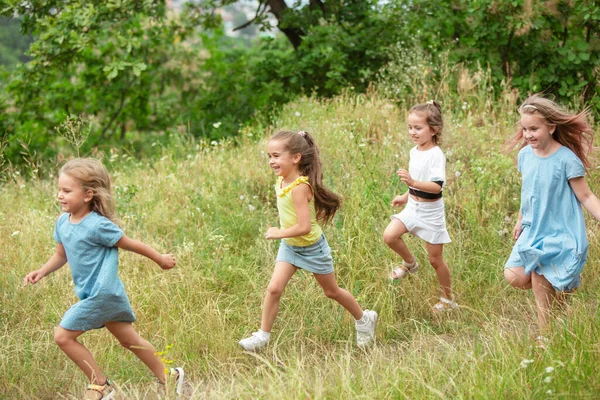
(92, 175)
(572, 129)
(433, 117)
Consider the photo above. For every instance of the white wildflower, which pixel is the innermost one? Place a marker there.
(548, 379)
(525, 363)
(457, 174)
(549, 370)
(251, 207)
(297, 113)
(242, 197)
(217, 125)
(548, 392)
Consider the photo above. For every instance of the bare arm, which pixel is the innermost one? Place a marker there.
(585, 196)
(58, 259)
(400, 200)
(301, 195)
(429, 187)
(165, 261)
(518, 227)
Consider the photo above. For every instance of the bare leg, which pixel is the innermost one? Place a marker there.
(515, 276)
(544, 297)
(282, 274)
(79, 354)
(131, 340)
(436, 259)
(392, 236)
(342, 296)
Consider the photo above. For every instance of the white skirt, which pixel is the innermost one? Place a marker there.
(426, 220)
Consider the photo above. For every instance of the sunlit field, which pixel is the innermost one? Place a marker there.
(210, 203)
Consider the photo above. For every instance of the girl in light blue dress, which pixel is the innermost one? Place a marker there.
(551, 242)
(87, 238)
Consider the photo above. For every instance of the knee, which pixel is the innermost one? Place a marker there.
(61, 339)
(274, 291)
(516, 280)
(332, 293)
(130, 343)
(436, 261)
(390, 237)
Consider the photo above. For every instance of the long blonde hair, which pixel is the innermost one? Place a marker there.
(572, 129)
(92, 175)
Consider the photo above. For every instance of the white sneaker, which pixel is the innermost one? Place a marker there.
(365, 331)
(178, 374)
(255, 342)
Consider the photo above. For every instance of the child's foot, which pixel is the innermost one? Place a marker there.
(365, 328)
(403, 270)
(445, 305)
(99, 392)
(258, 341)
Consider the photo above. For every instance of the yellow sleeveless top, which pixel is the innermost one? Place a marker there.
(287, 213)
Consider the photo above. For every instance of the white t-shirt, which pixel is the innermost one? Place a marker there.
(427, 165)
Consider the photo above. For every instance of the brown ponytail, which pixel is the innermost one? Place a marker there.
(326, 202)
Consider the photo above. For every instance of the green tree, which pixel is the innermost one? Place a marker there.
(551, 46)
(111, 60)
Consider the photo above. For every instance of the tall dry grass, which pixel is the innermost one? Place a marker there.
(210, 204)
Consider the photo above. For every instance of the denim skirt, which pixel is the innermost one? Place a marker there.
(315, 258)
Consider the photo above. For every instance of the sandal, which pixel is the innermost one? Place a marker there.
(106, 391)
(445, 305)
(541, 342)
(403, 270)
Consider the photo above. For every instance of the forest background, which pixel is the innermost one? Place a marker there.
(178, 105)
(133, 73)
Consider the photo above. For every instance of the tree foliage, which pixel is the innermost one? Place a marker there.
(551, 46)
(139, 71)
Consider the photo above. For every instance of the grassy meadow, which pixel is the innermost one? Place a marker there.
(210, 203)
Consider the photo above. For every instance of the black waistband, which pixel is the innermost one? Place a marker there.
(425, 195)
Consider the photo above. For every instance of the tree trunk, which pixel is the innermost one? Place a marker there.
(278, 9)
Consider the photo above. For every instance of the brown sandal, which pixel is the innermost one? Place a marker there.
(106, 391)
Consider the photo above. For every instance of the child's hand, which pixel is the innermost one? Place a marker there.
(399, 201)
(167, 261)
(272, 233)
(33, 277)
(517, 230)
(405, 176)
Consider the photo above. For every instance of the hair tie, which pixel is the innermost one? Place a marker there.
(529, 106)
(302, 133)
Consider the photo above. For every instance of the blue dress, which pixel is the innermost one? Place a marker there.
(94, 261)
(554, 241)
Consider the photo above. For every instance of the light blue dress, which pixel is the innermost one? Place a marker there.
(554, 241)
(94, 262)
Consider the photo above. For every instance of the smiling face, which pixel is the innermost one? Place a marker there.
(420, 132)
(72, 197)
(281, 160)
(536, 131)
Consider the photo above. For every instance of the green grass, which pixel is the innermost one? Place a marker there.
(196, 202)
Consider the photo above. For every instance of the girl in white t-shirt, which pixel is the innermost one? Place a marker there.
(423, 215)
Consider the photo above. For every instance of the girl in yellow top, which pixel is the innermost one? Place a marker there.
(302, 200)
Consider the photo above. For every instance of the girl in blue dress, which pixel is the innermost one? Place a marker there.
(551, 243)
(87, 238)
